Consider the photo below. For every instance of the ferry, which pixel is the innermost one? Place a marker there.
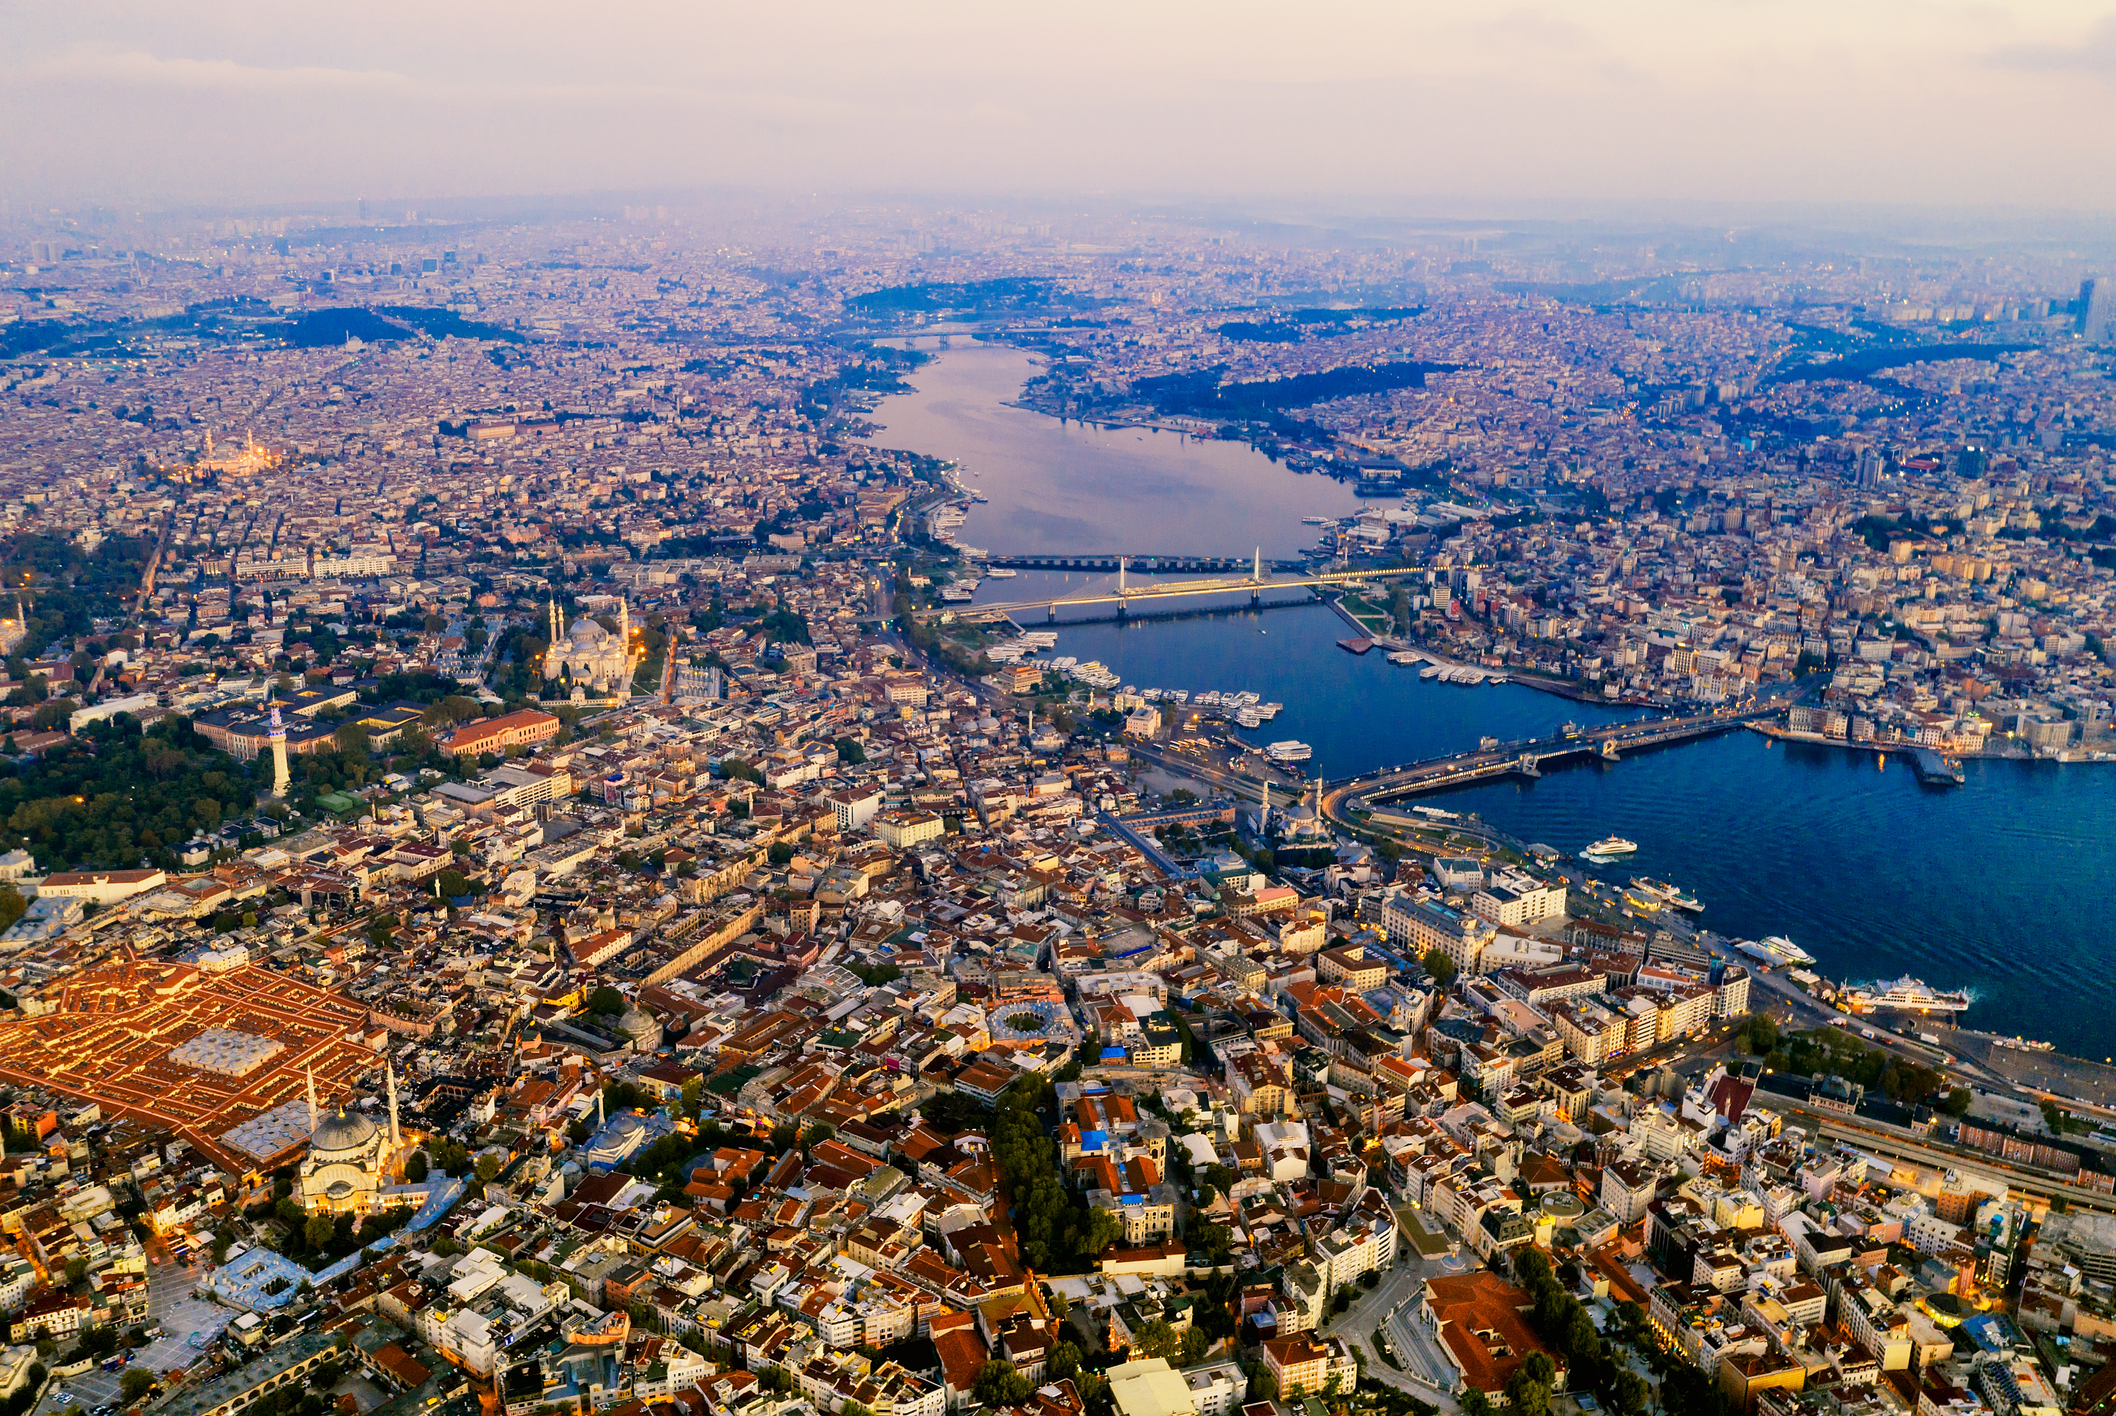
(1779, 948)
(1248, 717)
(1668, 894)
(1436, 814)
(1906, 995)
(1318, 521)
(1001, 572)
(1612, 847)
(1288, 751)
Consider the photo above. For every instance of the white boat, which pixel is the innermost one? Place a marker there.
(1430, 671)
(1248, 718)
(1289, 751)
(1000, 572)
(1667, 894)
(1612, 847)
(1268, 711)
(1777, 949)
(1179, 695)
(1907, 995)
(1404, 656)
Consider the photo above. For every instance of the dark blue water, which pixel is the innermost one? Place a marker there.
(1989, 886)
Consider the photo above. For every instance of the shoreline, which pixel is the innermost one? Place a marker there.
(1784, 734)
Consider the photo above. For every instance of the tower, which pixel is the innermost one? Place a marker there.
(312, 1099)
(278, 733)
(396, 1137)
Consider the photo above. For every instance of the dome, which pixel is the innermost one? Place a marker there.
(587, 631)
(342, 1130)
(642, 1028)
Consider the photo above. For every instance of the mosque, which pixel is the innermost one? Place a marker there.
(589, 656)
(351, 1159)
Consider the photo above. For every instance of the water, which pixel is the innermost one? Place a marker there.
(1978, 886)
(1988, 886)
(1067, 487)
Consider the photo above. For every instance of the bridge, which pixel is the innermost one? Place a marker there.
(1126, 595)
(1523, 759)
(1145, 565)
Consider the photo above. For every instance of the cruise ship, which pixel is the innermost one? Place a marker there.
(1289, 751)
(1776, 949)
(1906, 995)
(1609, 848)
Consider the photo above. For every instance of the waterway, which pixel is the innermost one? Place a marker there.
(1063, 486)
(1988, 886)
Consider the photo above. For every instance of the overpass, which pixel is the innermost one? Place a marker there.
(1525, 758)
(1125, 595)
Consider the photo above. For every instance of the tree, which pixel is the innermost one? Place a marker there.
(1440, 966)
(1063, 1360)
(1262, 1385)
(1958, 1101)
(1762, 1034)
(1104, 1228)
(1629, 1393)
(606, 1000)
(320, 1230)
(850, 752)
(134, 1384)
(1195, 1345)
(782, 852)
(415, 1168)
(999, 1384)
(488, 1166)
(1157, 1339)
(76, 1270)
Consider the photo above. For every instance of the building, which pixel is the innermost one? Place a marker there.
(1481, 1324)
(101, 887)
(902, 829)
(855, 806)
(590, 657)
(1426, 925)
(350, 1158)
(523, 728)
(1303, 1366)
(281, 1366)
(1148, 1386)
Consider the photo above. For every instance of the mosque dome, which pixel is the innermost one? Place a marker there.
(340, 1132)
(642, 1028)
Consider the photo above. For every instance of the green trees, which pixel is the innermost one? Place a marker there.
(1440, 966)
(999, 1384)
(1048, 1221)
(1157, 1339)
(320, 1230)
(415, 1168)
(119, 793)
(850, 752)
(1762, 1033)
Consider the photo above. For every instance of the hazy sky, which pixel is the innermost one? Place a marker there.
(2005, 102)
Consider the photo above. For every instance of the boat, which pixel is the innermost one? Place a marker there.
(1404, 656)
(1906, 995)
(1248, 718)
(1268, 711)
(1775, 947)
(1430, 671)
(1000, 572)
(1664, 892)
(1612, 846)
(1288, 751)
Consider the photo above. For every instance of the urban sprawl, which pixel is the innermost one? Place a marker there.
(531, 889)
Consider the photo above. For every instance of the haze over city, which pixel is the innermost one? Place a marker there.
(1897, 101)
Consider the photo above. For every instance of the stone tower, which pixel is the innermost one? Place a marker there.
(278, 734)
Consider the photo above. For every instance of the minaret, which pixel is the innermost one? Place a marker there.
(278, 734)
(312, 1099)
(396, 1137)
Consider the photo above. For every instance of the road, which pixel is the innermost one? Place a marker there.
(1424, 1371)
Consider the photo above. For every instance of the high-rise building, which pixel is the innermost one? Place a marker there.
(2097, 302)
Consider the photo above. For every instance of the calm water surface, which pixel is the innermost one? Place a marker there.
(1064, 486)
